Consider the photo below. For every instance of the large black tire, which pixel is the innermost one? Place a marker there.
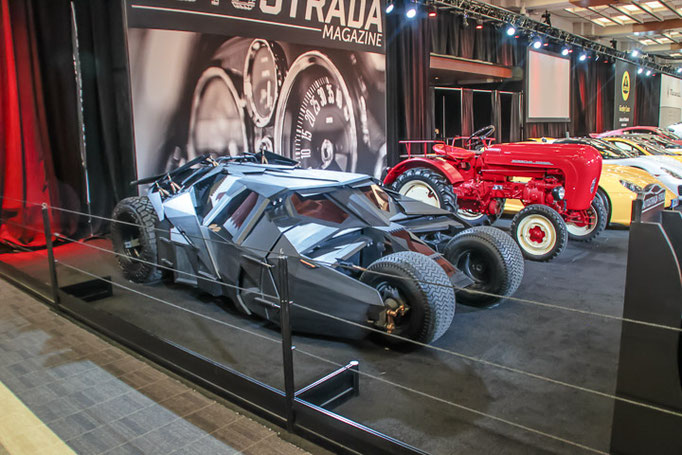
(424, 287)
(540, 232)
(492, 259)
(134, 238)
(440, 190)
(591, 232)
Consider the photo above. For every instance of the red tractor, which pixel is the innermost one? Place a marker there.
(556, 184)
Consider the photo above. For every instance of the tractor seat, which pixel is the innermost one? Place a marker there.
(455, 152)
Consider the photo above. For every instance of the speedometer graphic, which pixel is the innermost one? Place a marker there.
(264, 71)
(316, 122)
(217, 121)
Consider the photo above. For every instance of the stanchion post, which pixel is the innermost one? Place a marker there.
(50, 256)
(287, 354)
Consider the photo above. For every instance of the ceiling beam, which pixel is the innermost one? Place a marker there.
(648, 10)
(599, 13)
(626, 14)
(662, 47)
(592, 3)
(670, 7)
(630, 29)
(674, 40)
(583, 17)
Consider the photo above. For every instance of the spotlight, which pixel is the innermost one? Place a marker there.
(465, 20)
(432, 11)
(564, 51)
(640, 71)
(648, 72)
(582, 57)
(634, 53)
(390, 7)
(537, 43)
(511, 30)
(479, 25)
(411, 12)
(596, 58)
(678, 70)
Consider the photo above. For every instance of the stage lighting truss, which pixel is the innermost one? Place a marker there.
(514, 24)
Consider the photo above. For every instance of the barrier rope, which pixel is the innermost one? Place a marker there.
(365, 270)
(338, 365)
(418, 343)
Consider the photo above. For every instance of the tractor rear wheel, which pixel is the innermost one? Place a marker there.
(428, 186)
(598, 214)
(480, 219)
(491, 258)
(540, 232)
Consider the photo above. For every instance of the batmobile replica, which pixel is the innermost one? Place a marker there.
(353, 250)
(555, 183)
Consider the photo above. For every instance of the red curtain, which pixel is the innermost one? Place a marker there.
(25, 165)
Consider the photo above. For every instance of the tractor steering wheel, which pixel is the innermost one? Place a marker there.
(476, 140)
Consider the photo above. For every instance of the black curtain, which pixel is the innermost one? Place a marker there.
(592, 86)
(106, 105)
(467, 115)
(496, 101)
(515, 120)
(106, 102)
(451, 34)
(410, 113)
(647, 100)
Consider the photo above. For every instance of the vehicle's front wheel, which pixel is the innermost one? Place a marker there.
(540, 232)
(134, 238)
(428, 186)
(418, 297)
(597, 214)
(492, 259)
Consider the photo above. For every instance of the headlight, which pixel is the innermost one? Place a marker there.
(631, 186)
(672, 173)
(558, 193)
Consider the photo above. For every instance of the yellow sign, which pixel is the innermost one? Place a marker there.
(625, 86)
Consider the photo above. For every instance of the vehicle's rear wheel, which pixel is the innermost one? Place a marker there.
(540, 232)
(134, 239)
(419, 299)
(492, 259)
(480, 219)
(597, 214)
(427, 186)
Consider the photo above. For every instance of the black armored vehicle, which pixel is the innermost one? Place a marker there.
(353, 250)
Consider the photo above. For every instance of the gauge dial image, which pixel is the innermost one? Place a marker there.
(316, 122)
(264, 71)
(217, 120)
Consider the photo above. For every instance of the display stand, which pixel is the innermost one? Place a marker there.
(650, 367)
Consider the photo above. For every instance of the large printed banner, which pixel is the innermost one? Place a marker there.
(624, 99)
(671, 101)
(302, 78)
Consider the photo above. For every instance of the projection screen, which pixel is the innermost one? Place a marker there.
(548, 87)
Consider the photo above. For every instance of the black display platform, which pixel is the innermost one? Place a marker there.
(566, 346)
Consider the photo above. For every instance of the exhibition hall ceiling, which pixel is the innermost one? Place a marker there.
(650, 26)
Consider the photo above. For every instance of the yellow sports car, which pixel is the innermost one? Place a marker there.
(641, 147)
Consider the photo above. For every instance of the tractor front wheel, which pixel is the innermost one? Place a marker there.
(428, 186)
(540, 232)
